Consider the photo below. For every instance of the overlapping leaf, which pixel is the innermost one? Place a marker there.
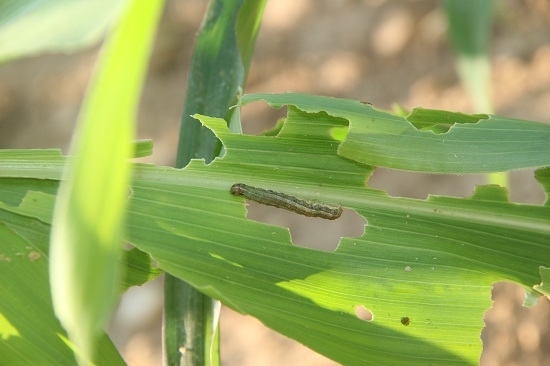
(423, 268)
(493, 144)
(32, 27)
(29, 331)
(432, 262)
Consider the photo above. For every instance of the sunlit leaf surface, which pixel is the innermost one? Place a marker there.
(423, 268)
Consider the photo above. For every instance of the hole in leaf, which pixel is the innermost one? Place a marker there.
(257, 118)
(363, 313)
(399, 183)
(522, 329)
(524, 188)
(314, 233)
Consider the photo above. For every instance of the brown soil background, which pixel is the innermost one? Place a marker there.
(379, 51)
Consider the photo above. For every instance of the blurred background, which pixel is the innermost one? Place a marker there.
(379, 51)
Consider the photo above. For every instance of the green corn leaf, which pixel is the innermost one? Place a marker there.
(31, 27)
(91, 203)
(424, 268)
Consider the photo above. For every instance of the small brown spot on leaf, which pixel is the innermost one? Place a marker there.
(34, 256)
(3, 258)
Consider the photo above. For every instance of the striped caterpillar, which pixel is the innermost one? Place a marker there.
(291, 203)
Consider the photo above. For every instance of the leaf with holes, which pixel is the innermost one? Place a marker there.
(411, 290)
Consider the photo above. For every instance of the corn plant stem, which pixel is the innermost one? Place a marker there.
(188, 321)
(217, 75)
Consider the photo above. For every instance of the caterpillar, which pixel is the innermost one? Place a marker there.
(287, 202)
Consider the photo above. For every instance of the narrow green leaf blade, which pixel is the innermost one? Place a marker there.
(32, 27)
(470, 23)
(92, 199)
(30, 334)
(493, 144)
